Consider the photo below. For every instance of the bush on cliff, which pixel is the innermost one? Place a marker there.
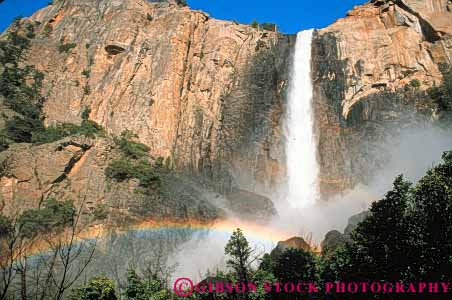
(129, 148)
(443, 94)
(54, 216)
(124, 169)
(134, 163)
(20, 86)
(65, 48)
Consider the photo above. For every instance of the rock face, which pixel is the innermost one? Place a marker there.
(74, 168)
(251, 206)
(293, 243)
(202, 93)
(363, 66)
(334, 239)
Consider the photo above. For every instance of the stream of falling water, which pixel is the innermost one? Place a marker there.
(301, 150)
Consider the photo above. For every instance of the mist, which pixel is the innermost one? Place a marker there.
(411, 153)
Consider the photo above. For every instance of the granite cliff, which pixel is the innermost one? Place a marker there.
(371, 70)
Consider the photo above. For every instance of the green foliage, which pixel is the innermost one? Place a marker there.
(125, 169)
(415, 83)
(442, 94)
(264, 26)
(65, 48)
(87, 90)
(53, 217)
(129, 148)
(139, 289)
(85, 113)
(295, 265)
(100, 212)
(98, 288)
(57, 132)
(6, 227)
(91, 129)
(269, 26)
(240, 255)
(86, 73)
(20, 130)
(47, 30)
(407, 235)
(20, 86)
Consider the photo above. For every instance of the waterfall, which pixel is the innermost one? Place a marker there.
(302, 166)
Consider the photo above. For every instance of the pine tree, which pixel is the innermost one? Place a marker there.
(240, 255)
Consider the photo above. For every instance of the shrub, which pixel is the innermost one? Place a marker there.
(54, 216)
(20, 130)
(442, 94)
(85, 113)
(87, 89)
(98, 288)
(54, 133)
(415, 83)
(124, 169)
(131, 149)
(6, 227)
(47, 29)
(268, 26)
(86, 73)
(65, 48)
(100, 212)
(255, 25)
(91, 129)
(57, 132)
(20, 86)
(120, 170)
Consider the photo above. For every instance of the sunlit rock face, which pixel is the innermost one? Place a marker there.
(363, 66)
(204, 93)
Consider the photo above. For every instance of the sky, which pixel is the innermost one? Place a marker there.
(290, 15)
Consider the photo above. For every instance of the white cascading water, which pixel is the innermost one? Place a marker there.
(301, 150)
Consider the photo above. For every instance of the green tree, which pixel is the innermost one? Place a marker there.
(255, 25)
(294, 265)
(407, 235)
(53, 217)
(431, 218)
(6, 227)
(442, 94)
(129, 148)
(240, 255)
(140, 289)
(98, 288)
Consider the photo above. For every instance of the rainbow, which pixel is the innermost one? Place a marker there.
(250, 230)
(223, 226)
